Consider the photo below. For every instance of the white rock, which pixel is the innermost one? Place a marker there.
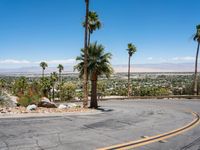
(72, 105)
(31, 107)
(14, 99)
(62, 106)
(44, 99)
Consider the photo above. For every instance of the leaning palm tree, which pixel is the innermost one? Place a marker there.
(60, 69)
(93, 24)
(196, 38)
(85, 100)
(98, 64)
(131, 50)
(43, 65)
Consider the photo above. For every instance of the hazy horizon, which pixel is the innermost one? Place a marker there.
(162, 67)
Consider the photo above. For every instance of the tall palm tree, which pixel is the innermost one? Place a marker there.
(196, 38)
(131, 50)
(53, 79)
(93, 24)
(60, 69)
(43, 65)
(98, 64)
(85, 100)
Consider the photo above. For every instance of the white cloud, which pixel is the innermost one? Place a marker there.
(13, 61)
(150, 58)
(26, 62)
(55, 62)
(186, 58)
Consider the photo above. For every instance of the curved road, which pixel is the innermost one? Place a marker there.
(118, 122)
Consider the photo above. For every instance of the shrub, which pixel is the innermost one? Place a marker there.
(67, 91)
(26, 100)
(79, 95)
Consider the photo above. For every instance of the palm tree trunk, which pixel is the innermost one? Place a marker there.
(53, 93)
(129, 66)
(60, 81)
(93, 102)
(196, 73)
(85, 101)
(42, 73)
(89, 38)
(60, 78)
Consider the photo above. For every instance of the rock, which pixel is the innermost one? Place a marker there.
(9, 109)
(44, 99)
(2, 110)
(7, 101)
(31, 107)
(24, 112)
(62, 106)
(14, 99)
(46, 103)
(72, 105)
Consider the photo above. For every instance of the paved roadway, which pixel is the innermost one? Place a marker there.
(118, 122)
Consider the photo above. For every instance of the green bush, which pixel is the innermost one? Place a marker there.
(26, 100)
(67, 91)
(79, 95)
(151, 91)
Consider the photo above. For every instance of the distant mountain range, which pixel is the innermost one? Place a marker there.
(164, 67)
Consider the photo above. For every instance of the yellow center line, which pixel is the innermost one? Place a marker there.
(156, 138)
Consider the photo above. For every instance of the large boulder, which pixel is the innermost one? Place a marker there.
(45, 102)
(31, 107)
(6, 101)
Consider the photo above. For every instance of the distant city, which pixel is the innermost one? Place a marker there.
(137, 68)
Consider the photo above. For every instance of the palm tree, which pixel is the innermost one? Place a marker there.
(60, 69)
(131, 50)
(43, 65)
(93, 24)
(53, 79)
(85, 101)
(98, 64)
(196, 38)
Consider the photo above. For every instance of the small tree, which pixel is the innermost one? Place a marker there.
(68, 91)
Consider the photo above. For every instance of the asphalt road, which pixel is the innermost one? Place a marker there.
(118, 122)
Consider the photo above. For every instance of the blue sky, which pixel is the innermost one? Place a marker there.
(50, 30)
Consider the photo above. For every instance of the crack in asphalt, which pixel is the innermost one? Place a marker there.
(192, 144)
